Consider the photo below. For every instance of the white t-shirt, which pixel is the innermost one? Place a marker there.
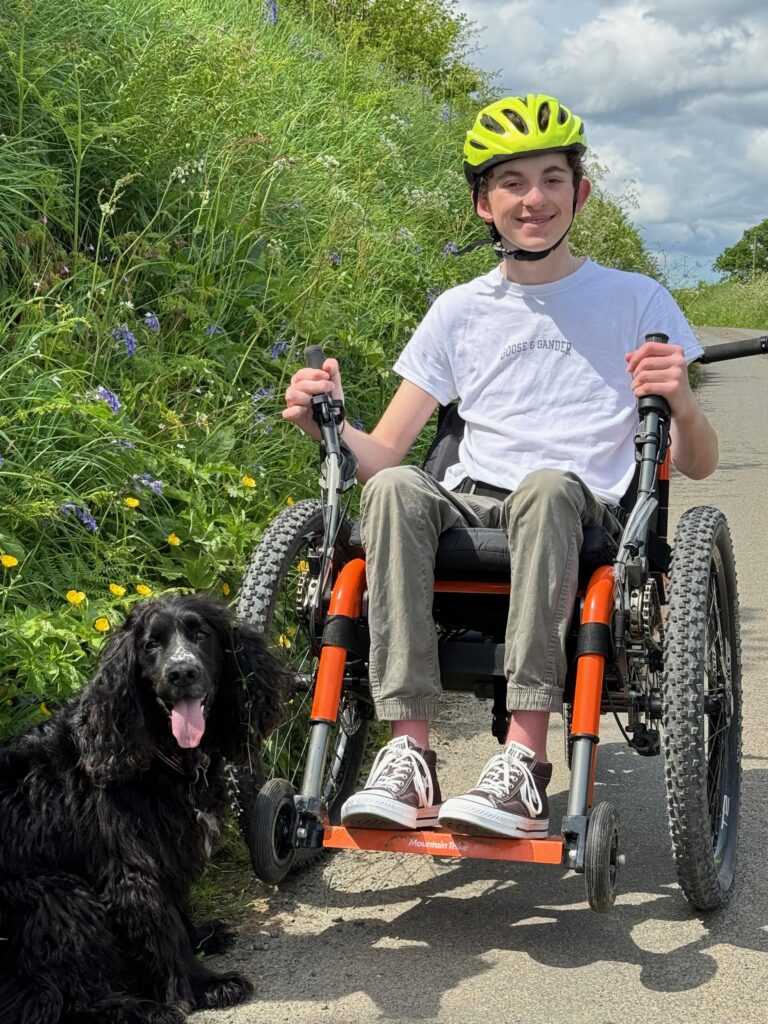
(539, 372)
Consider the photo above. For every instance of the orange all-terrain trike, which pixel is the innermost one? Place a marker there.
(654, 638)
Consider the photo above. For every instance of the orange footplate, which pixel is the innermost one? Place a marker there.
(437, 843)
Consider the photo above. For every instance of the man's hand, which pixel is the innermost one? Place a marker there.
(306, 383)
(661, 369)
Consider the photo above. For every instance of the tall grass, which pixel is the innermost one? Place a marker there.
(190, 195)
(728, 304)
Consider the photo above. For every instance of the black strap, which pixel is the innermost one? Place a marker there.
(595, 638)
(469, 486)
(351, 634)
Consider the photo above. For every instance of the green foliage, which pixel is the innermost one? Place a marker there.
(727, 304)
(427, 40)
(748, 258)
(190, 195)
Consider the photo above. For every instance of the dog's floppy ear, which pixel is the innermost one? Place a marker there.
(113, 735)
(250, 697)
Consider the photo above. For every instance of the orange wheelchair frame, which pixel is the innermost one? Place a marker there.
(615, 620)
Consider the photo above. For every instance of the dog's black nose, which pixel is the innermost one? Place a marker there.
(183, 673)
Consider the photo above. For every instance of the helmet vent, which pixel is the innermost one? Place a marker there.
(563, 115)
(491, 124)
(543, 117)
(478, 145)
(514, 118)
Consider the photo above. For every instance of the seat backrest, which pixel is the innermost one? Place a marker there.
(444, 450)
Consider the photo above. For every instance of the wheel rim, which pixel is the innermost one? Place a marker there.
(719, 736)
(283, 832)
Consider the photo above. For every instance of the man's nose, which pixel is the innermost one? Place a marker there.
(534, 196)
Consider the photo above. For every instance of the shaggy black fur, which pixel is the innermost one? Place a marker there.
(106, 821)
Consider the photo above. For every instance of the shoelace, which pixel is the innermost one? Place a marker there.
(392, 767)
(499, 775)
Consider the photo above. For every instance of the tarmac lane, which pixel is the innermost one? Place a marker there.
(372, 937)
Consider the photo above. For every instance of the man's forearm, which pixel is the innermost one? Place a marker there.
(694, 444)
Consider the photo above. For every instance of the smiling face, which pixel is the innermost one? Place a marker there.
(178, 653)
(531, 200)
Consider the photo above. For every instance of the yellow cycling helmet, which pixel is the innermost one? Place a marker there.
(520, 126)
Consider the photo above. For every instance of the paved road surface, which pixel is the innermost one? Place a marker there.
(374, 938)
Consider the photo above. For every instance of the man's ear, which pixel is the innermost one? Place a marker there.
(583, 194)
(482, 209)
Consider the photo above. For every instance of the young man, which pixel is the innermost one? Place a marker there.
(547, 358)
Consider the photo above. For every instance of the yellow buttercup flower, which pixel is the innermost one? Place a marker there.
(102, 624)
(143, 589)
(283, 641)
(225, 588)
(132, 502)
(173, 540)
(8, 561)
(45, 710)
(289, 501)
(116, 589)
(303, 566)
(75, 596)
(248, 481)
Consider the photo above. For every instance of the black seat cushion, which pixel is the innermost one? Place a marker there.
(472, 552)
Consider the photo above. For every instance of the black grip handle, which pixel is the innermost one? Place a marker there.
(735, 350)
(314, 356)
(655, 403)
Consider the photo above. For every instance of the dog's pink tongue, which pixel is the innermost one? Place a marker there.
(187, 722)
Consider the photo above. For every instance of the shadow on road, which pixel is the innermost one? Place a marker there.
(538, 911)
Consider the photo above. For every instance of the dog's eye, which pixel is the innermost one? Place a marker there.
(150, 645)
(201, 635)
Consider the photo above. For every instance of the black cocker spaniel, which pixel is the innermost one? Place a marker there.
(108, 813)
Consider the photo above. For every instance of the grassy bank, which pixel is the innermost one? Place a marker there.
(191, 193)
(727, 304)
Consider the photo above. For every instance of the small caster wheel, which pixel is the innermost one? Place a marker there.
(602, 858)
(270, 831)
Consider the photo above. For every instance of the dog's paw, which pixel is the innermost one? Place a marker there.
(224, 990)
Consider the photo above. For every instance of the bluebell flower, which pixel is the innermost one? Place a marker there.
(334, 259)
(109, 397)
(358, 424)
(451, 249)
(146, 481)
(295, 41)
(432, 294)
(123, 333)
(262, 393)
(445, 115)
(83, 514)
(152, 323)
(270, 13)
(2, 459)
(213, 329)
(125, 444)
(278, 349)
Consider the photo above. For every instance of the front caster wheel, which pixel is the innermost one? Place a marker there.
(271, 825)
(601, 857)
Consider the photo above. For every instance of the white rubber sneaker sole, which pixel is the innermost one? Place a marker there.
(374, 810)
(477, 818)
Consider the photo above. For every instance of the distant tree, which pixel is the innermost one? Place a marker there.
(748, 257)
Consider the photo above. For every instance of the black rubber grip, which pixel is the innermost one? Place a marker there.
(735, 350)
(658, 336)
(314, 356)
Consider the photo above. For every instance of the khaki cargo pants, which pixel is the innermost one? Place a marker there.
(403, 513)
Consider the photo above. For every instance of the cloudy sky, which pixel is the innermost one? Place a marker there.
(674, 95)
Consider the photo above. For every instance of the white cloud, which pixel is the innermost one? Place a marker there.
(674, 95)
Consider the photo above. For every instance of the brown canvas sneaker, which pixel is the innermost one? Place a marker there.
(509, 799)
(402, 790)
